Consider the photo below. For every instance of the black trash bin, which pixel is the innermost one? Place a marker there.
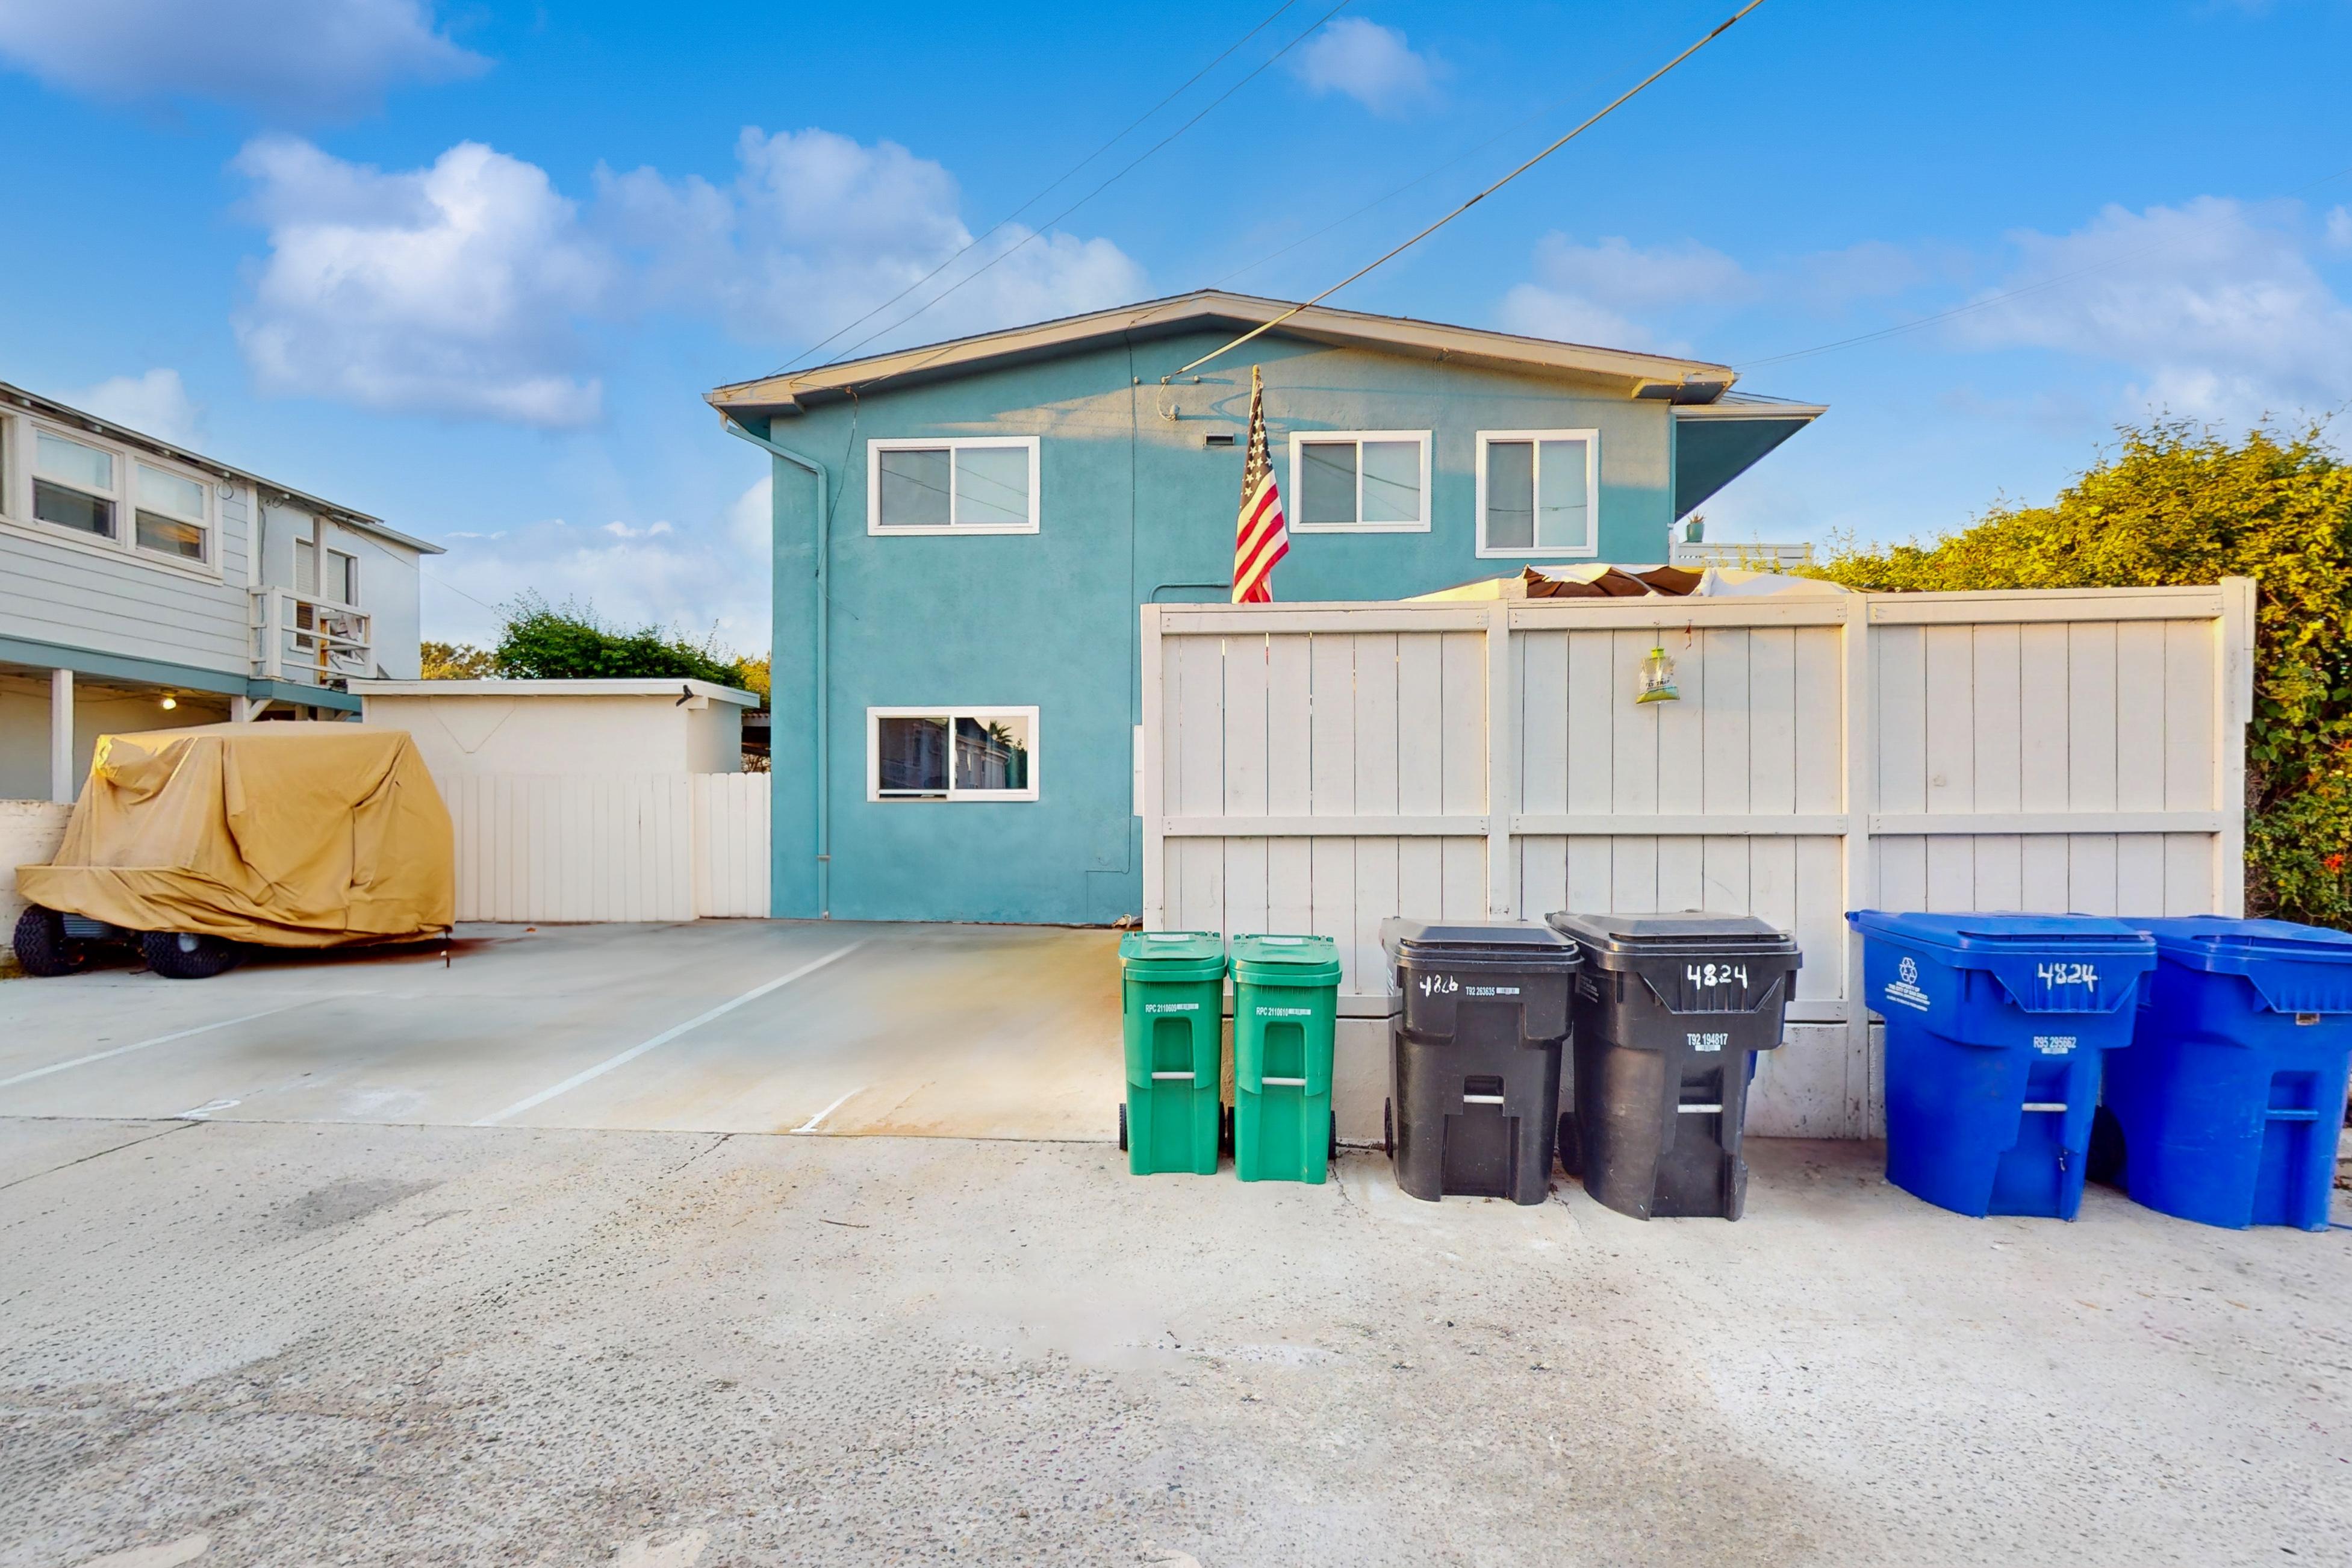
(1669, 1009)
(1473, 1058)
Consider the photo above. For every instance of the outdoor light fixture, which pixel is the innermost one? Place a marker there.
(169, 704)
(1658, 679)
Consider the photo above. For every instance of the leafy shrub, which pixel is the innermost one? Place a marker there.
(542, 642)
(2182, 505)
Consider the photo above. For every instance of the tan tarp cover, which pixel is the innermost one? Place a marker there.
(288, 834)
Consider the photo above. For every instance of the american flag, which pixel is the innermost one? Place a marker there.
(1259, 537)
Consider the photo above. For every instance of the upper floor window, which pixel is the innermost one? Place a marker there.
(342, 583)
(982, 484)
(1538, 492)
(1358, 481)
(74, 485)
(109, 494)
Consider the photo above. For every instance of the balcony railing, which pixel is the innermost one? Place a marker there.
(309, 641)
(1698, 557)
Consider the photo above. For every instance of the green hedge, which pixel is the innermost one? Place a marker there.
(2178, 505)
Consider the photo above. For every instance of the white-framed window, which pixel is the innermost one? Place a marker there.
(1538, 492)
(80, 488)
(967, 484)
(951, 753)
(1358, 481)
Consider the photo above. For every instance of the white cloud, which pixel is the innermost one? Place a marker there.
(156, 404)
(452, 290)
(1607, 294)
(1369, 63)
(2214, 307)
(693, 578)
(301, 57)
(816, 229)
(2339, 230)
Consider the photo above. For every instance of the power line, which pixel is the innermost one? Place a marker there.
(2007, 294)
(1043, 190)
(1100, 189)
(1720, 28)
(1396, 191)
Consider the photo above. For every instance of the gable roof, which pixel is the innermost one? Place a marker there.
(66, 414)
(1658, 377)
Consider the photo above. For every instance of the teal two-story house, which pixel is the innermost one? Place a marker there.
(964, 532)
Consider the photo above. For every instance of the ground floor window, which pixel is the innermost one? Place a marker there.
(951, 753)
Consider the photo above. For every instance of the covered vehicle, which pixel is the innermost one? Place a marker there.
(194, 842)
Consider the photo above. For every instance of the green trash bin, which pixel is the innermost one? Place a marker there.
(1286, 993)
(1173, 993)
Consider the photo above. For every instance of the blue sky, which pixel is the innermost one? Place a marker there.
(471, 266)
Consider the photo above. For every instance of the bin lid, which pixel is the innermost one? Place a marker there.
(1519, 944)
(1173, 954)
(1287, 960)
(1686, 934)
(1998, 933)
(2221, 944)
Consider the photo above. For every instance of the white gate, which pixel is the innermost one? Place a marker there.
(1322, 767)
(610, 846)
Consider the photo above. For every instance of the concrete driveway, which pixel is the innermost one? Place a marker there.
(232, 1344)
(718, 1026)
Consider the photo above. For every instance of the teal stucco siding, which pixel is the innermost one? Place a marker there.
(1133, 506)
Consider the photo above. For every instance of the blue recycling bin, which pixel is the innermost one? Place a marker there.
(2229, 1102)
(1995, 1028)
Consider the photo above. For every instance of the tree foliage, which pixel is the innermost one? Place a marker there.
(456, 661)
(2179, 505)
(569, 642)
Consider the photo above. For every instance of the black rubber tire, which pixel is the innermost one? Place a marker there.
(182, 956)
(1225, 1130)
(1332, 1153)
(42, 946)
(1571, 1147)
(1388, 1128)
(1122, 1127)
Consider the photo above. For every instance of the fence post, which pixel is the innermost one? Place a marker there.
(1155, 847)
(1858, 722)
(2233, 710)
(1502, 766)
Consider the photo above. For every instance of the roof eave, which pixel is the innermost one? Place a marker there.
(1636, 375)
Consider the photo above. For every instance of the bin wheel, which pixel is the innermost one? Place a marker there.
(1388, 1128)
(1332, 1154)
(1122, 1127)
(1571, 1147)
(1225, 1130)
(42, 945)
(2105, 1163)
(185, 955)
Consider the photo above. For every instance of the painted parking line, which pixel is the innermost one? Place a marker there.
(167, 1040)
(811, 1124)
(665, 1037)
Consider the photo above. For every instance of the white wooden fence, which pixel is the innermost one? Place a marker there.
(1322, 767)
(610, 846)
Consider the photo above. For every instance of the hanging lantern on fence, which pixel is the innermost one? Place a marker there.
(1658, 679)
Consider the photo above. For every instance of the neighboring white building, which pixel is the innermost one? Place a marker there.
(143, 586)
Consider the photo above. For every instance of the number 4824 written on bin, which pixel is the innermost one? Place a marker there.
(2067, 973)
(1706, 975)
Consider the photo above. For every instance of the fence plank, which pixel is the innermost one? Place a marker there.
(1592, 721)
(1289, 725)
(1332, 782)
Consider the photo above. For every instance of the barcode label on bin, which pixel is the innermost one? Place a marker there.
(1171, 1006)
(2053, 1045)
(1707, 1042)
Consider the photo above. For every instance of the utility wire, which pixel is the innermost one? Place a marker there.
(2007, 294)
(1720, 28)
(1396, 191)
(1042, 191)
(1100, 189)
